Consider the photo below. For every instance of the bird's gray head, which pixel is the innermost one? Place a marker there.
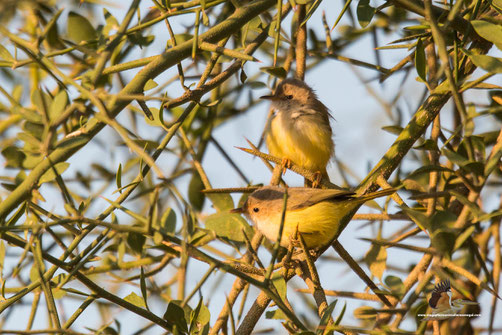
(292, 94)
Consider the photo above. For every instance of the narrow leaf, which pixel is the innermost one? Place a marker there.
(420, 60)
(118, 178)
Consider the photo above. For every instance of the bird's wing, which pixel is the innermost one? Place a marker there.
(306, 197)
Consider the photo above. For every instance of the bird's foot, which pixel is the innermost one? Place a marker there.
(315, 253)
(291, 264)
(286, 164)
(317, 178)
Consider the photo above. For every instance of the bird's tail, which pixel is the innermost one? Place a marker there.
(377, 194)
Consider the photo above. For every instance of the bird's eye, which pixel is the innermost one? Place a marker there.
(289, 97)
(256, 209)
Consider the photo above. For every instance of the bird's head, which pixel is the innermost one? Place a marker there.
(292, 93)
(441, 295)
(262, 203)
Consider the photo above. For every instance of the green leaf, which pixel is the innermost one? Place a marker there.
(52, 36)
(497, 4)
(199, 318)
(395, 130)
(17, 215)
(34, 129)
(50, 175)
(280, 285)
(256, 85)
(2, 258)
(195, 195)
(121, 251)
(142, 284)
(477, 168)
(395, 284)
(489, 31)
(34, 273)
(420, 62)
(487, 63)
(326, 315)
(376, 259)
(175, 315)
(41, 101)
(149, 85)
(5, 54)
(79, 29)
(228, 225)
(420, 219)
(202, 236)
(168, 222)
(135, 299)
(311, 11)
(454, 157)
(466, 202)
(443, 241)
(428, 144)
(58, 105)
(14, 157)
(340, 316)
(136, 241)
(365, 312)
(72, 142)
(128, 211)
(243, 76)
(31, 161)
(118, 178)
(276, 315)
(58, 293)
(364, 12)
(428, 169)
(463, 237)
(276, 71)
(221, 201)
(346, 6)
(111, 22)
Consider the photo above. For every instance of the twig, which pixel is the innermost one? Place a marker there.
(359, 272)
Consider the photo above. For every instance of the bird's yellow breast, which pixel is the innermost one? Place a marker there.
(318, 224)
(308, 143)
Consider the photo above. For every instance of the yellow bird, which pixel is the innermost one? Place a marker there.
(443, 307)
(299, 131)
(315, 213)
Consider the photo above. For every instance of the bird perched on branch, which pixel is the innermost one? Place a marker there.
(316, 214)
(299, 131)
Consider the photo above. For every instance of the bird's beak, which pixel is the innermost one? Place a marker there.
(237, 210)
(268, 97)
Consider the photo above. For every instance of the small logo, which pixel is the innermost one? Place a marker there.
(443, 307)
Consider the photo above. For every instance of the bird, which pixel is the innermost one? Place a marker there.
(299, 130)
(443, 307)
(315, 213)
